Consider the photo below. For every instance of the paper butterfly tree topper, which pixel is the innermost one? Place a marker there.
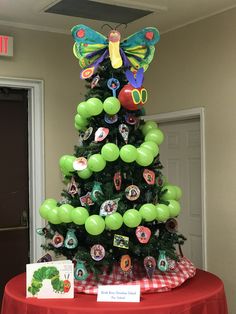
(134, 52)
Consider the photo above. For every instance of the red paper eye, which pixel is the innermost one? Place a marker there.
(80, 33)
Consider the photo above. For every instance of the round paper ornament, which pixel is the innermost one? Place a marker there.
(57, 240)
(97, 252)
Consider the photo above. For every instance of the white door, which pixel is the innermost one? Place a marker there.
(180, 154)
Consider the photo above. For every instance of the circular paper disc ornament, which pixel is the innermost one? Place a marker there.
(97, 252)
(57, 240)
(131, 119)
(132, 192)
(143, 234)
(125, 263)
(109, 207)
(111, 119)
(150, 265)
(80, 163)
(87, 133)
(171, 225)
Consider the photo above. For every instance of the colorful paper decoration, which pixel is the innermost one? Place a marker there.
(111, 119)
(87, 133)
(71, 241)
(57, 240)
(117, 180)
(125, 263)
(91, 48)
(121, 241)
(96, 191)
(97, 252)
(124, 131)
(143, 234)
(80, 271)
(80, 163)
(150, 265)
(101, 134)
(162, 262)
(46, 258)
(72, 187)
(131, 119)
(109, 207)
(132, 192)
(86, 200)
(149, 176)
(95, 81)
(113, 84)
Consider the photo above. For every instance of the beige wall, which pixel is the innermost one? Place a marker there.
(196, 67)
(49, 56)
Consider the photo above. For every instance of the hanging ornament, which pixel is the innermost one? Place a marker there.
(124, 131)
(117, 180)
(125, 263)
(131, 118)
(95, 81)
(57, 240)
(172, 265)
(42, 231)
(149, 176)
(162, 263)
(113, 84)
(159, 181)
(97, 252)
(72, 187)
(86, 200)
(110, 119)
(87, 133)
(109, 207)
(80, 272)
(46, 258)
(143, 234)
(150, 265)
(71, 241)
(132, 192)
(171, 225)
(80, 163)
(121, 241)
(133, 95)
(96, 191)
(101, 134)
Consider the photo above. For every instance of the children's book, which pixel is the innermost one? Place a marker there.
(51, 280)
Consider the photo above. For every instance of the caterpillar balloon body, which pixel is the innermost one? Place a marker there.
(52, 273)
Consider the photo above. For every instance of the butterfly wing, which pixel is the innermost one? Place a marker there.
(139, 48)
(89, 47)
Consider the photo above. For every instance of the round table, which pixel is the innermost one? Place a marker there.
(202, 294)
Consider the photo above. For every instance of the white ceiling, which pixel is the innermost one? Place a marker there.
(168, 15)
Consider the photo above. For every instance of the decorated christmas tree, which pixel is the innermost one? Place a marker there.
(117, 214)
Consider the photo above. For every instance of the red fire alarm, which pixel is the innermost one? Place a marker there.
(6, 46)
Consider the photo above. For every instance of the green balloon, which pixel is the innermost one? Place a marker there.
(66, 164)
(47, 205)
(53, 216)
(95, 225)
(79, 215)
(85, 173)
(163, 212)
(80, 128)
(64, 213)
(178, 192)
(94, 106)
(132, 218)
(111, 105)
(152, 147)
(110, 152)
(96, 163)
(174, 208)
(170, 193)
(62, 161)
(149, 125)
(80, 121)
(155, 135)
(114, 221)
(148, 212)
(128, 153)
(82, 110)
(144, 156)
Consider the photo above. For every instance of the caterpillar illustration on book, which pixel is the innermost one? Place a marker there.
(52, 273)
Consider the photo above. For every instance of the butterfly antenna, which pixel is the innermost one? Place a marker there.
(120, 25)
(106, 25)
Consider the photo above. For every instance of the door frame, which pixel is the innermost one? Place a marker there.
(36, 167)
(185, 115)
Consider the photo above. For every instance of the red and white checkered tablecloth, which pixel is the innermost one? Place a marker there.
(160, 282)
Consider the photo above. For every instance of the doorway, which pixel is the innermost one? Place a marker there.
(14, 188)
(28, 218)
(183, 156)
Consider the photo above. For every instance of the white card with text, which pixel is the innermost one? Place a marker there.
(118, 293)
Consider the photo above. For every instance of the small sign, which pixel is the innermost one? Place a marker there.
(118, 293)
(6, 46)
